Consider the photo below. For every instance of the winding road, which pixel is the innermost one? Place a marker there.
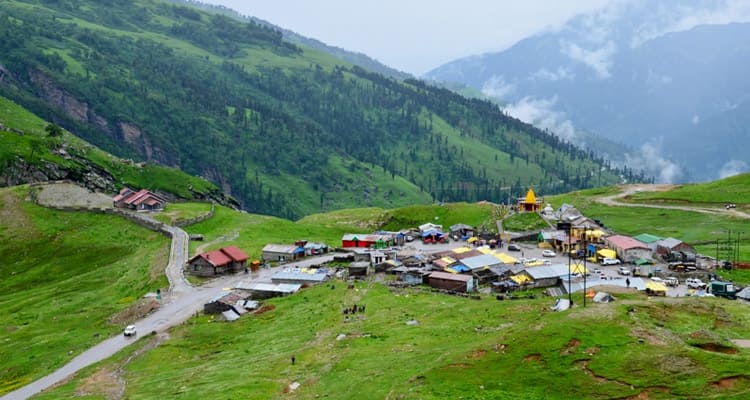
(628, 190)
(180, 303)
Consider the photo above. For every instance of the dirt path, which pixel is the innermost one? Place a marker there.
(227, 238)
(628, 190)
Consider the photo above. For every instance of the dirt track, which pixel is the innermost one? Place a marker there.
(628, 190)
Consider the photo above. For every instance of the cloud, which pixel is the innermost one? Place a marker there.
(649, 160)
(681, 18)
(540, 113)
(733, 167)
(600, 60)
(497, 88)
(546, 75)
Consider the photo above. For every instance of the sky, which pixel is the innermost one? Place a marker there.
(415, 36)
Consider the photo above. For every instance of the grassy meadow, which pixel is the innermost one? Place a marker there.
(735, 189)
(63, 276)
(456, 348)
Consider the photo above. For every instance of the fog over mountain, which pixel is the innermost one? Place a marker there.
(666, 78)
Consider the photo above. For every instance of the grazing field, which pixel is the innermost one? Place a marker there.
(415, 344)
(735, 189)
(63, 280)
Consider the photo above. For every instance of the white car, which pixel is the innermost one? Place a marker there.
(129, 331)
(610, 261)
(695, 283)
(623, 271)
(548, 253)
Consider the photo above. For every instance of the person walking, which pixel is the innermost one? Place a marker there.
(627, 282)
(293, 359)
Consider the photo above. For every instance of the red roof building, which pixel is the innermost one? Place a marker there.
(141, 200)
(217, 262)
(627, 248)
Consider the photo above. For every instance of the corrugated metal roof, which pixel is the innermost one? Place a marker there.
(548, 271)
(269, 287)
(479, 262)
(625, 242)
(451, 277)
(280, 248)
(647, 238)
(669, 243)
(299, 276)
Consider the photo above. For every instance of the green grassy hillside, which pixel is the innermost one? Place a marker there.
(286, 129)
(63, 277)
(653, 348)
(735, 189)
(458, 348)
(25, 145)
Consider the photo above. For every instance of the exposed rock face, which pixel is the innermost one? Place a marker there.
(21, 172)
(61, 99)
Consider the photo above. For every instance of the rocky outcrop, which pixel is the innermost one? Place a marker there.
(90, 176)
(59, 98)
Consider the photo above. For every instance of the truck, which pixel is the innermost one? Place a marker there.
(723, 289)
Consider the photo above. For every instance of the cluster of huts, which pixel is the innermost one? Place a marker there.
(461, 269)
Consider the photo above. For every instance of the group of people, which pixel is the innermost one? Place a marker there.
(354, 309)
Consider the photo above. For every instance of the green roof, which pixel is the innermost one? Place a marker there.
(647, 238)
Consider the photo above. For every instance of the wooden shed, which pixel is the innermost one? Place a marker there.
(448, 281)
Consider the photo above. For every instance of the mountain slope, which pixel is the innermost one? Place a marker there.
(287, 130)
(28, 153)
(634, 73)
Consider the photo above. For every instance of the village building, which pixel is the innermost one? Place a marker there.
(542, 276)
(142, 200)
(568, 213)
(304, 277)
(480, 262)
(315, 249)
(453, 282)
(411, 257)
(668, 245)
(282, 252)
(361, 268)
(627, 248)
(462, 231)
(378, 241)
(649, 240)
(530, 203)
(225, 260)
(259, 290)
(225, 302)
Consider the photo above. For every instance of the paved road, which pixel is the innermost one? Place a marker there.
(631, 189)
(181, 302)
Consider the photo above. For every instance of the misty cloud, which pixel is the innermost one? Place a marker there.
(497, 88)
(733, 167)
(685, 17)
(600, 60)
(546, 75)
(541, 113)
(649, 160)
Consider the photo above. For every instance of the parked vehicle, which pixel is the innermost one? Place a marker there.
(514, 247)
(695, 283)
(723, 289)
(548, 253)
(610, 261)
(129, 331)
(671, 281)
(623, 271)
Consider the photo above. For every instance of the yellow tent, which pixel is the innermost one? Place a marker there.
(485, 250)
(520, 279)
(578, 269)
(607, 253)
(537, 263)
(472, 239)
(460, 250)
